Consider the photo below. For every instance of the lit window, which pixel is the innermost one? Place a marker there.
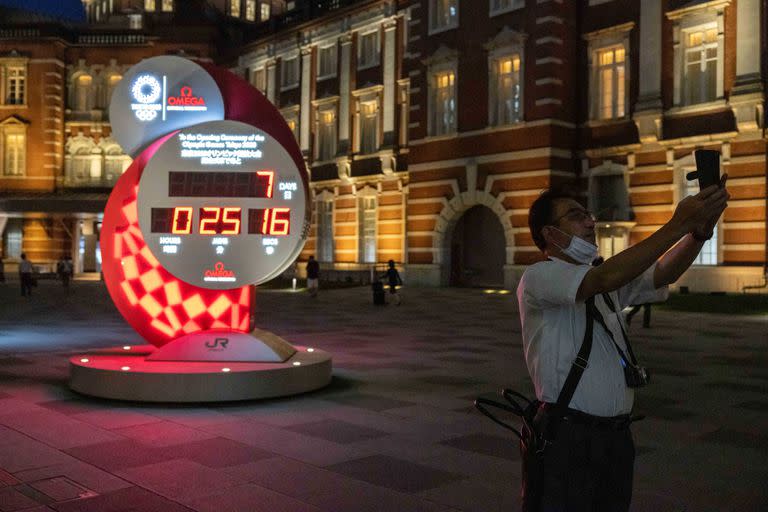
(443, 104)
(326, 134)
(135, 21)
(259, 79)
(708, 253)
(291, 117)
(324, 214)
(367, 234)
(81, 98)
(149, 5)
(167, 5)
(701, 56)
(368, 50)
(265, 11)
(369, 127)
(250, 10)
(13, 238)
(507, 92)
(289, 73)
(327, 65)
(443, 14)
(14, 152)
(234, 8)
(610, 78)
(111, 83)
(15, 85)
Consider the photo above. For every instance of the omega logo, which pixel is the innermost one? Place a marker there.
(219, 273)
(185, 98)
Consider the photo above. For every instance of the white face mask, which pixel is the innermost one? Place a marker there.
(579, 249)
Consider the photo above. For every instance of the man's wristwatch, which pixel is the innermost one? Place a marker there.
(701, 238)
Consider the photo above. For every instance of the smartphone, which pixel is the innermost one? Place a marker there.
(707, 168)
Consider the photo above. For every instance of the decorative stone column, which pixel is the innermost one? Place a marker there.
(648, 110)
(306, 91)
(344, 93)
(388, 100)
(747, 96)
(271, 81)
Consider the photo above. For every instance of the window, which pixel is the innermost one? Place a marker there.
(15, 85)
(368, 127)
(234, 8)
(250, 10)
(443, 104)
(259, 79)
(14, 151)
(13, 236)
(610, 79)
(506, 92)
(443, 14)
(324, 214)
(368, 50)
(115, 163)
(149, 5)
(111, 82)
(367, 235)
(327, 64)
(265, 11)
(708, 254)
(167, 5)
(291, 117)
(81, 99)
(502, 6)
(701, 56)
(326, 134)
(289, 73)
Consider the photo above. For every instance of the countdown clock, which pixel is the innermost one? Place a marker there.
(222, 205)
(214, 203)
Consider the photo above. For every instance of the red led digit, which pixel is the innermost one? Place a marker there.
(279, 221)
(182, 220)
(231, 221)
(270, 175)
(265, 222)
(209, 216)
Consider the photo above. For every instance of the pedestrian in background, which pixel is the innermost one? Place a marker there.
(64, 270)
(2, 270)
(313, 276)
(393, 280)
(25, 274)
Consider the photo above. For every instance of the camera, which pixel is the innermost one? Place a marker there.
(636, 376)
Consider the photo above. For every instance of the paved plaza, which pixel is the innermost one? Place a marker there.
(394, 432)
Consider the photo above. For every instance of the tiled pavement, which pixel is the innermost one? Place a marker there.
(394, 432)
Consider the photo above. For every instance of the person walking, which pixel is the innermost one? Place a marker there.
(313, 276)
(579, 358)
(25, 275)
(393, 280)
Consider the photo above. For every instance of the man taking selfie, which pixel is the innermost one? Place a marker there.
(579, 358)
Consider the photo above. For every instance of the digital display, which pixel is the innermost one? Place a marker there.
(257, 184)
(216, 220)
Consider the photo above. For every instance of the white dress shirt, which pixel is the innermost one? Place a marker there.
(553, 326)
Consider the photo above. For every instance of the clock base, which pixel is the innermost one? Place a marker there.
(128, 373)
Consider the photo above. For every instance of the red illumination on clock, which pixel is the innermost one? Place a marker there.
(182, 220)
(270, 175)
(220, 221)
(270, 221)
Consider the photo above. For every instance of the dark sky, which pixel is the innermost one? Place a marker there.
(67, 9)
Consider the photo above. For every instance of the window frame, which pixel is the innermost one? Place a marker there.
(364, 230)
(333, 72)
(321, 153)
(495, 87)
(376, 58)
(250, 10)
(166, 5)
(16, 129)
(268, 6)
(324, 219)
(513, 6)
(235, 8)
(283, 67)
(293, 113)
(434, 26)
(432, 124)
(686, 98)
(6, 65)
(600, 41)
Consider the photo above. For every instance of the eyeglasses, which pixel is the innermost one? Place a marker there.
(576, 215)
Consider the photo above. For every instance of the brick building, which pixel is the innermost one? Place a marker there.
(429, 126)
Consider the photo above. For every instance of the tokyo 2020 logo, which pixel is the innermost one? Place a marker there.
(146, 91)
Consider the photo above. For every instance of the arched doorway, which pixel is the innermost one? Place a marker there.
(477, 249)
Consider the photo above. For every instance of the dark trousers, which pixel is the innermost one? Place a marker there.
(26, 283)
(588, 468)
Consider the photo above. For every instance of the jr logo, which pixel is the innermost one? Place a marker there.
(217, 344)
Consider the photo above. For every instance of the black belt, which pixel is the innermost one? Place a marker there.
(619, 422)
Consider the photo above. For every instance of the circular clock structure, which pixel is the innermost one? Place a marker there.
(215, 202)
(222, 205)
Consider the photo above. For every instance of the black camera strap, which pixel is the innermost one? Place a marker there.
(580, 363)
(599, 317)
